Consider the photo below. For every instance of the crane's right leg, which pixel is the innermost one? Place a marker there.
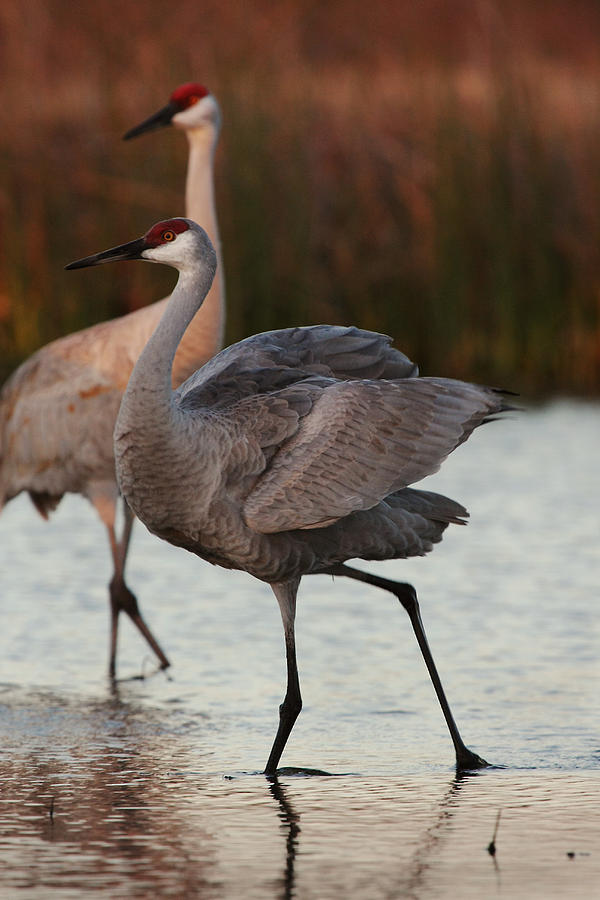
(406, 594)
(290, 708)
(121, 598)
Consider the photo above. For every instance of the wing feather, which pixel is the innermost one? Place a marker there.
(330, 350)
(361, 442)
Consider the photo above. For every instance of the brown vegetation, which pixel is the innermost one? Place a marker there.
(428, 169)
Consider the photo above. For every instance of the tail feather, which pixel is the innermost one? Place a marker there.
(44, 503)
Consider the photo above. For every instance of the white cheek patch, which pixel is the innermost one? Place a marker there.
(172, 252)
(204, 111)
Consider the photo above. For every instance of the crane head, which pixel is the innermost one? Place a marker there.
(180, 110)
(172, 241)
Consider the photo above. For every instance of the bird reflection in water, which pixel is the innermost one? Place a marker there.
(412, 877)
(91, 778)
(290, 820)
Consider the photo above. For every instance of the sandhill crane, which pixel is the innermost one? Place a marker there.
(58, 409)
(288, 453)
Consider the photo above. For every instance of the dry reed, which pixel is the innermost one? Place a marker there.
(428, 170)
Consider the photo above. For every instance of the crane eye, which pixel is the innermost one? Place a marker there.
(168, 236)
(192, 100)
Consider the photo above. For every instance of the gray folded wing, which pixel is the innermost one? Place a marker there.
(360, 442)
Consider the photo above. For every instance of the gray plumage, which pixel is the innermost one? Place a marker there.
(288, 453)
(294, 451)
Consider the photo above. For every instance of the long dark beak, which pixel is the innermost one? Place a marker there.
(132, 250)
(158, 120)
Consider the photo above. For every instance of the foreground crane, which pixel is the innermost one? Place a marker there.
(288, 453)
(58, 409)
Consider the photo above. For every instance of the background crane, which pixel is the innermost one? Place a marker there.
(58, 409)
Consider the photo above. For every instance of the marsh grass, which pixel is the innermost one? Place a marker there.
(432, 175)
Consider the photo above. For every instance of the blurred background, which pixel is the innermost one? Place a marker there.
(428, 169)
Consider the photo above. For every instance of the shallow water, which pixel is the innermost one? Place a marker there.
(154, 788)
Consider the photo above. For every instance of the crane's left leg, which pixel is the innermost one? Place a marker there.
(290, 708)
(121, 598)
(406, 594)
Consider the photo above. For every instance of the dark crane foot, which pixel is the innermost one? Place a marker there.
(467, 760)
(124, 600)
(295, 771)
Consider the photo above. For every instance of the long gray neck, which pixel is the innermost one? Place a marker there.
(151, 453)
(149, 389)
(204, 337)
